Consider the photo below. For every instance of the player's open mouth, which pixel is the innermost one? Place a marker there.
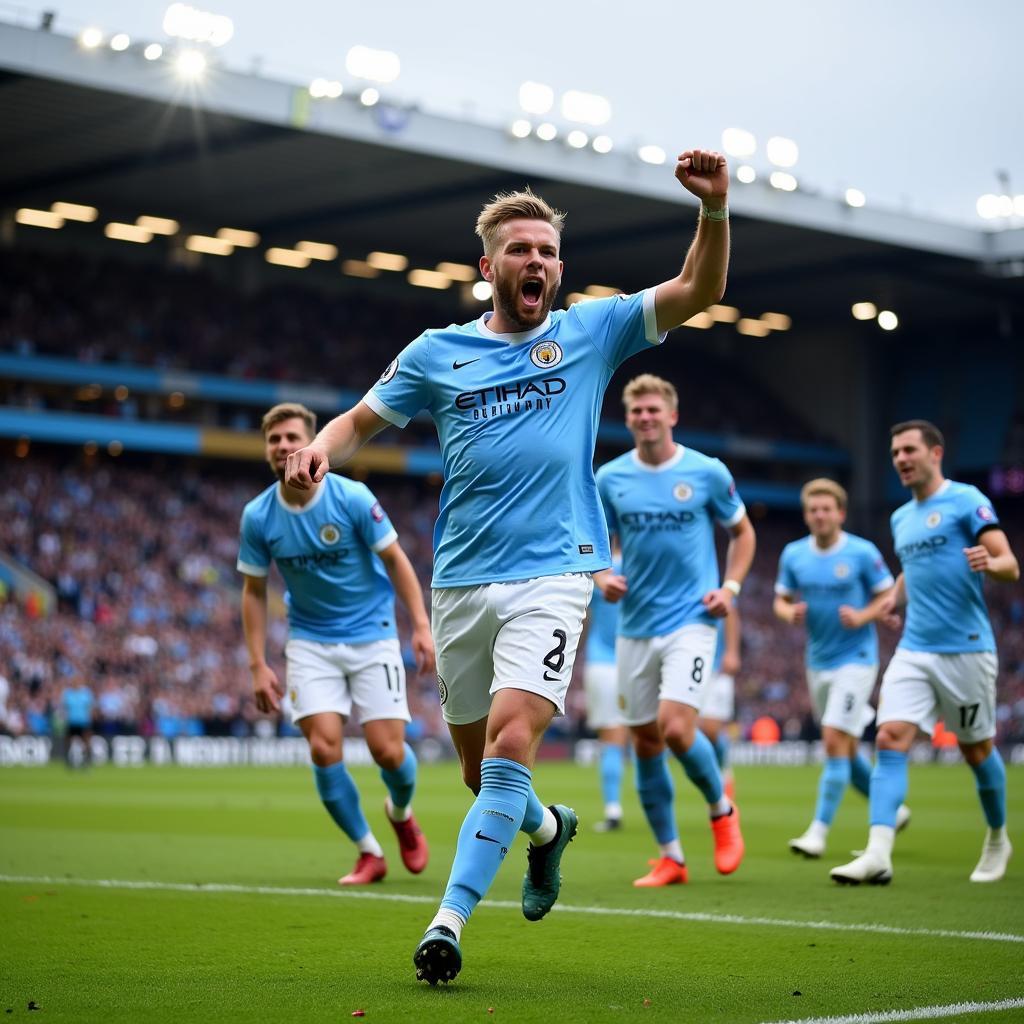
(532, 290)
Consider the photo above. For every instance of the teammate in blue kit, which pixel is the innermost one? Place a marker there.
(662, 501)
(516, 399)
(946, 538)
(342, 565)
(837, 585)
(600, 683)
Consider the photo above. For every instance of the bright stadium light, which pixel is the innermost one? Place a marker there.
(854, 197)
(287, 258)
(158, 225)
(521, 129)
(782, 180)
(739, 142)
(651, 154)
(429, 279)
(723, 314)
(864, 311)
(458, 271)
(237, 236)
(90, 38)
(128, 233)
(700, 320)
(888, 320)
(482, 291)
(388, 261)
(602, 144)
(782, 152)
(38, 218)
(577, 139)
(190, 65)
(209, 245)
(153, 52)
(547, 132)
(369, 97)
(1005, 206)
(120, 42)
(195, 26)
(777, 321)
(753, 328)
(381, 66)
(318, 250)
(75, 211)
(318, 88)
(746, 174)
(334, 89)
(359, 268)
(536, 98)
(586, 108)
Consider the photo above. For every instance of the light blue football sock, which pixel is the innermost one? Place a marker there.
(701, 768)
(888, 787)
(860, 773)
(721, 746)
(487, 833)
(611, 773)
(401, 781)
(654, 784)
(835, 777)
(990, 776)
(341, 798)
(534, 816)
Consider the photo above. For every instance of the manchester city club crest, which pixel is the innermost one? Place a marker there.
(933, 520)
(442, 689)
(329, 534)
(546, 354)
(842, 570)
(389, 372)
(682, 492)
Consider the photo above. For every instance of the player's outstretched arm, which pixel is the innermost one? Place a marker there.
(267, 690)
(877, 608)
(794, 613)
(994, 557)
(612, 585)
(336, 443)
(701, 282)
(407, 587)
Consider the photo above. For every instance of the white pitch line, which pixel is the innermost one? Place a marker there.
(920, 1013)
(388, 897)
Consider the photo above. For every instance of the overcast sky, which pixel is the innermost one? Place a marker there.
(916, 102)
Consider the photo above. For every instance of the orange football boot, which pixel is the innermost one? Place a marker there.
(412, 844)
(728, 841)
(664, 871)
(368, 869)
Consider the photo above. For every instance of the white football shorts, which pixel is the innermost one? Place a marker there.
(496, 636)
(333, 677)
(720, 700)
(676, 667)
(924, 686)
(601, 685)
(841, 696)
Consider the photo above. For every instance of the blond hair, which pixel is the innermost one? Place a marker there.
(648, 384)
(289, 411)
(506, 206)
(823, 486)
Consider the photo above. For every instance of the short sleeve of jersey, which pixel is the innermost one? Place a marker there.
(371, 521)
(620, 326)
(403, 389)
(253, 553)
(603, 487)
(874, 571)
(785, 583)
(726, 504)
(976, 511)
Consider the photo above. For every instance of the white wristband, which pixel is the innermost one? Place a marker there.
(709, 214)
(733, 586)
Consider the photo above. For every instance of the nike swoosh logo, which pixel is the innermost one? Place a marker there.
(458, 366)
(488, 839)
(551, 679)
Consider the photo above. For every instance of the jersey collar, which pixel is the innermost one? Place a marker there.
(671, 461)
(840, 543)
(943, 487)
(295, 510)
(511, 339)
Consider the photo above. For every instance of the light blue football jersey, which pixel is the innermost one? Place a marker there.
(946, 609)
(602, 624)
(664, 516)
(517, 418)
(852, 571)
(337, 588)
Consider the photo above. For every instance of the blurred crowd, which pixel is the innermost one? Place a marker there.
(142, 559)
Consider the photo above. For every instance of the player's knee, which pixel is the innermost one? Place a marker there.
(513, 741)
(324, 751)
(388, 754)
(894, 736)
(975, 753)
(647, 746)
(679, 734)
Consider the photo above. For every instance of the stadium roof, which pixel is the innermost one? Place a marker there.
(121, 133)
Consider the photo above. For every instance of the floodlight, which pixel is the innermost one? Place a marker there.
(38, 218)
(90, 38)
(120, 42)
(521, 129)
(209, 245)
(185, 22)
(458, 271)
(128, 233)
(854, 197)
(652, 154)
(586, 108)
(864, 311)
(888, 320)
(236, 236)
(602, 144)
(369, 97)
(381, 66)
(318, 250)
(75, 211)
(153, 52)
(777, 321)
(746, 174)
(429, 279)
(739, 142)
(482, 291)
(387, 261)
(287, 258)
(158, 225)
(546, 131)
(577, 139)
(753, 328)
(782, 180)
(190, 65)
(536, 98)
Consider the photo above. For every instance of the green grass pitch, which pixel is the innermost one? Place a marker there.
(245, 952)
